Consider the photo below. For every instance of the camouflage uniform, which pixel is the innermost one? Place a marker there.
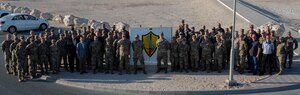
(227, 47)
(109, 55)
(194, 54)
(7, 54)
(242, 53)
(219, 50)
(116, 54)
(44, 51)
(206, 53)
(183, 56)
(138, 47)
(162, 54)
(290, 41)
(21, 55)
(13, 48)
(32, 51)
(174, 56)
(62, 44)
(54, 55)
(280, 53)
(96, 52)
(124, 52)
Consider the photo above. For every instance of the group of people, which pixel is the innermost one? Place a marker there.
(108, 51)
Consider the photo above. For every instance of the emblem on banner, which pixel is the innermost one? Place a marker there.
(149, 41)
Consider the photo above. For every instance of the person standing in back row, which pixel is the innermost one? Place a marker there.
(290, 43)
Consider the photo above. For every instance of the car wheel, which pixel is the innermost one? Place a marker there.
(43, 26)
(12, 29)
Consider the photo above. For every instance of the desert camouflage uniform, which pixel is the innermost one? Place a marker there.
(124, 52)
(183, 56)
(138, 47)
(174, 56)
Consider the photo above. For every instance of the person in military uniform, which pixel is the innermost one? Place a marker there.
(242, 53)
(116, 52)
(219, 49)
(124, 52)
(109, 53)
(162, 53)
(21, 55)
(54, 55)
(206, 45)
(32, 51)
(280, 53)
(31, 36)
(138, 47)
(43, 51)
(290, 43)
(7, 54)
(227, 39)
(183, 49)
(62, 44)
(95, 48)
(13, 48)
(174, 55)
(194, 53)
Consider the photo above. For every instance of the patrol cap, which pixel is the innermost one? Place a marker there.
(136, 36)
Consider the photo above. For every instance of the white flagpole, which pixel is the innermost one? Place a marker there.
(231, 81)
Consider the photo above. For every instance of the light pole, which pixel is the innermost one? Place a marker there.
(231, 81)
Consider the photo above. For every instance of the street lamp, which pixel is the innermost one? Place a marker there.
(231, 81)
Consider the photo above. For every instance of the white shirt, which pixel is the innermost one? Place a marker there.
(267, 47)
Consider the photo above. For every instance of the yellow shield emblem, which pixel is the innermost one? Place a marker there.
(149, 41)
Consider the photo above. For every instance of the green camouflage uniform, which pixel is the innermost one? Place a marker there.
(13, 48)
(7, 54)
(62, 44)
(206, 54)
(174, 56)
(44, 51)
(21, 55)
(290, 41)
(162, 54)
(219, 50)
(32, 51)
(109, 54)
(54, 55)
(183, 56)
(194, 54)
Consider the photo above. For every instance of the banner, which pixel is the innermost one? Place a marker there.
(149, 36)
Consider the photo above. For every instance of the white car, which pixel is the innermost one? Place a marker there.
(3, 13)
(22, 22)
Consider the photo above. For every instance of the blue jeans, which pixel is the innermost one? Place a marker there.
(254, 65)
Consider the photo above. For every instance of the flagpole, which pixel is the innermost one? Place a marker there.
(231, 81)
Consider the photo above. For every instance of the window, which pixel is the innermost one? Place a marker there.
(18, 17)
(4, 14)
(29, 17)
